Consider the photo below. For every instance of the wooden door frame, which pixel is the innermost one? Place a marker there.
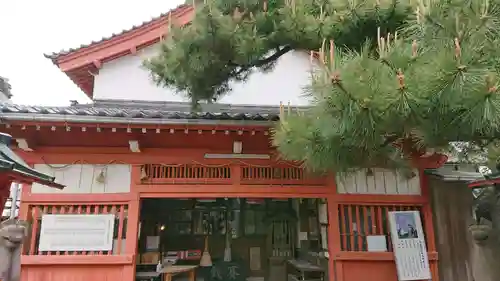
(202, 191)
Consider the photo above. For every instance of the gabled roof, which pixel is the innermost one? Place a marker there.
(81, 62)
(55, 55)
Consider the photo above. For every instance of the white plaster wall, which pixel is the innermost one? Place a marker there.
(126, 79)
(82, 178)
(381, 182)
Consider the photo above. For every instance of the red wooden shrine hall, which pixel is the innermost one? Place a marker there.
(174, 182)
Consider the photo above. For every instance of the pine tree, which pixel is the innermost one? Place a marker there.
(434, 83)
(228, 39)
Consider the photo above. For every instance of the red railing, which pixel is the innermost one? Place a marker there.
(36, 212)
(185, 174)
(279, 175)
(358, 221)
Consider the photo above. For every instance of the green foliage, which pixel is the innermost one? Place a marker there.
(436, 85)
(376, 102)
(228, 39)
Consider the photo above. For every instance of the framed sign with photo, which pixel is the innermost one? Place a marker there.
(408, 241)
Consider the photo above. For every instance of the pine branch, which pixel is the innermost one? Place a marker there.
(446, 90)
(224, 43)
(277, 54)
(434, 22)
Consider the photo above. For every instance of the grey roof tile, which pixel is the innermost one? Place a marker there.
(147, 110)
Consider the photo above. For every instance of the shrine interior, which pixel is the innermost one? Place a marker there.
(232, 239)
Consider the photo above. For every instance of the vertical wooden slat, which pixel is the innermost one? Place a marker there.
(351, 232)
(388, 225)
(366, 222)
(380, 221)
(343, 229)
(114, 213)
(120, 227)
(374, 226)
(34, 229)
(46, 210)
(359, 230)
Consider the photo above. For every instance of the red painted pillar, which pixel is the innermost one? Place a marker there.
(132, 231)
(334, 267)
(428, 223)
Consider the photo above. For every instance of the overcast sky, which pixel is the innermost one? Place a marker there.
(30, 28)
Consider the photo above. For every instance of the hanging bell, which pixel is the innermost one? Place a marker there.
(369, 172)
(101, 178)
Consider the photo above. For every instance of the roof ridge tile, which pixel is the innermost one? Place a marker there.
(21, 112)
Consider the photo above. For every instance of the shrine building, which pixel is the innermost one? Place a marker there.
(154, 191)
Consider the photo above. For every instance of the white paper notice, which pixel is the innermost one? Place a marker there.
(376, 243)
(303, 236)
(152, 242)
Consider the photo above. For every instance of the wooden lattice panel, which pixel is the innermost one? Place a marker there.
(287, 175)
(186, 173)
(357, 222)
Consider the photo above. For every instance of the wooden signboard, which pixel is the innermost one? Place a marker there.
(77, 232)
(409, 246)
